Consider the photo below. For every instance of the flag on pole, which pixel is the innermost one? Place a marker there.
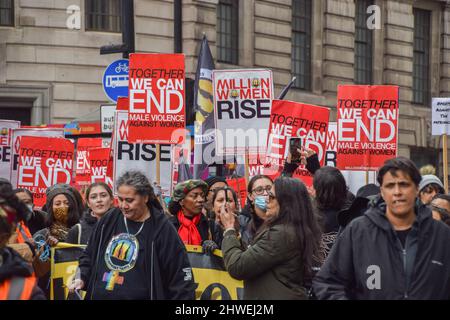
(203, 105)
(184, 173)
(286, 89)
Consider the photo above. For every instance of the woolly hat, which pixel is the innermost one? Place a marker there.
(182, 189)
(210, 181)
(429, 179)
(57, 189)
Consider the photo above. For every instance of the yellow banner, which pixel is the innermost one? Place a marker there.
(213, 281)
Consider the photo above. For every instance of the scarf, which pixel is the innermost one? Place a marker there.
(188, 231)
(59, 231)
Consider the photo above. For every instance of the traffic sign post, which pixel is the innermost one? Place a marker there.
(115, 80)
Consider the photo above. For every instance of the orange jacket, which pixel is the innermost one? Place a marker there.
(17, 288)
(23, 233)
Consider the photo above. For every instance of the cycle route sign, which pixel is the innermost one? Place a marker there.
(115, 80)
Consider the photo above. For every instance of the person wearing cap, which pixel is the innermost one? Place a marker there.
(17, 281)
(395, 251)
(440, 206)
(186, 207)
(429, 186)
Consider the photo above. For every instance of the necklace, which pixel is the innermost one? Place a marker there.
(126, 227)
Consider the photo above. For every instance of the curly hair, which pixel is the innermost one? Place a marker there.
(139, 182)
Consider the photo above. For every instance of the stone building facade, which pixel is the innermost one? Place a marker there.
(55, 72)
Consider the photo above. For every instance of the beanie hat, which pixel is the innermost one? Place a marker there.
(210, 181)
(60, 190)
(429, 179)
(182, 189)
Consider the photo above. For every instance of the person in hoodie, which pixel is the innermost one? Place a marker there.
(396, 250)
(99, 199)
(34, 219)
(134, 252)
(17, 281)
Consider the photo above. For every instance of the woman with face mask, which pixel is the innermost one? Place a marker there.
(256, 208)
(63, 213)
(99, 199)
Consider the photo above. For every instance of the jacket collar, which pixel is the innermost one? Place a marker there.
(377, 214)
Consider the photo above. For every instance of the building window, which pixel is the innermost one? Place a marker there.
(103, 15)
(227, 31)
(363, 44)
(301, 43)
(421, 71)
(16, 109)
(6, 13)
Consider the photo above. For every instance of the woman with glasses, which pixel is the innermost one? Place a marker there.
(440, 208)
(280, 258)
(255, 210)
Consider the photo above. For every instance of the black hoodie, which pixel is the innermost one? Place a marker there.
(168, 271)
(368, 261)
(13, 265)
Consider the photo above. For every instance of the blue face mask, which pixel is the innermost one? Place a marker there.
(261, 203)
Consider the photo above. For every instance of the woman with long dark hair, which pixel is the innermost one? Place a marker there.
(279, 261)
(331, 197)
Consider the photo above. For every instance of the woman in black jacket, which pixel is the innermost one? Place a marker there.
(99, 198)
(134, 253)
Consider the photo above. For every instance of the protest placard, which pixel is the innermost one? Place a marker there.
(5, 146)
(367, 119)
(242, 104)
(82, 168)
(138, 156)
(17, 135)
(156, 97)
(44, 162)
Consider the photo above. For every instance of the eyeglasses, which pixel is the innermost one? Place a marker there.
(271, 196)
(260, 190)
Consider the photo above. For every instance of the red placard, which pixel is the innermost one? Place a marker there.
(239, 185)
(123, 103)
(298, 120)
(98, 159)
(367, 120)
(292, 119)
(82, 168)
(44, 162)
(156, 96)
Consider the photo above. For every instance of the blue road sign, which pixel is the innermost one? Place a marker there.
(115, 80)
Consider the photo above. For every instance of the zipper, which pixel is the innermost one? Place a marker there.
(405, 295)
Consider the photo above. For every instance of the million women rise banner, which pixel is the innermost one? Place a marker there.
(156, 97)
(44, 162)
(367, 119)
(242, 104)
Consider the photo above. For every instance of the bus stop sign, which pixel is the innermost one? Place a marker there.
(115, 80)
